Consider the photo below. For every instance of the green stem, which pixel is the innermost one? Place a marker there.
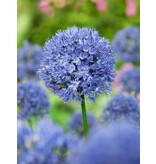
(84, 116)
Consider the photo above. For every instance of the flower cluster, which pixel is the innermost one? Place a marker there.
(127, 44)
(77, 62)
(130, 80)
(28, 61)
(31, 100)
(76, 123)
(46, 144)
(122, 107)
(110, 145)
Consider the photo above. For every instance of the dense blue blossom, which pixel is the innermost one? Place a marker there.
(76, 123)
(121, 107)
(77, 61)
(28, 61)
(31, 100)
(118, 143)
(130, 80)
(127, 44)
(46, 145)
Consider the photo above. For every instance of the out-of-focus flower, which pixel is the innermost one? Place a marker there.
(130, 8)
(77, 62)
(101, 5)
(110, 145)
(28, 61)
(116, 83)
(130, 80)
(44, 6)
(124, 67)
(32, 100)
(127, 44)
(122, 107)
(76, 123)
(47, 144)
(23, 133)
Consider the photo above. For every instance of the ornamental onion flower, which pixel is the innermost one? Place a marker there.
(126, 43)
(122, 107)
(117, 143)
(78, 62)
(130, 80)
(32, 100)
(28, 61)
(76, 123)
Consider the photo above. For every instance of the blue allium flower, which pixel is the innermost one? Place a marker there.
(76, 123)
(118, 143)
(31, 100)
(130, 80)
(47, 145)
(28, 61)
(122, 107)
(77, 62)
(127, 44)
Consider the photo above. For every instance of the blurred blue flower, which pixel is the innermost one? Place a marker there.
(122, 107)
(127, 44)
(32, 100)
(76, 123)
(77, 61)
(23, 131)
(117, 143)
(28, 61)
(130, 80)
(47, 145)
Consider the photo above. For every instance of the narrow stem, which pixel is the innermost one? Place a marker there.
(84, 116)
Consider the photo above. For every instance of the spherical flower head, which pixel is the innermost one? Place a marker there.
(28, 61)
(32, 100)
(127, 44)
(130, 80)
(122, 107)
(76, 123)
(115, 143)
(77, 62)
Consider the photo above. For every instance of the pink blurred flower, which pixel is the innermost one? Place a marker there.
(130, 8)
(101, 5)
(44, 6)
